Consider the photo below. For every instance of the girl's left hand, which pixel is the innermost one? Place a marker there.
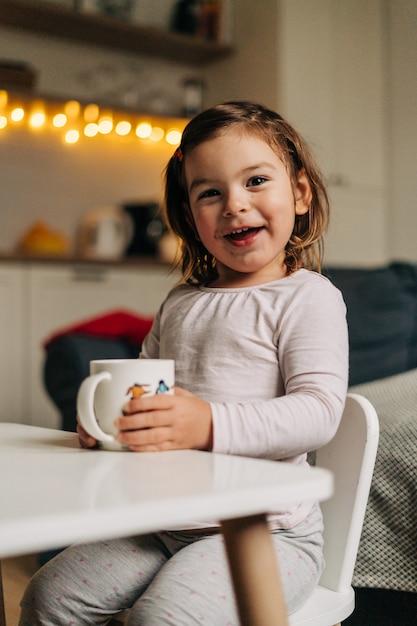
(166, 422)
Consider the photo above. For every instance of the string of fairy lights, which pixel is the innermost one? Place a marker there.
(77, 121)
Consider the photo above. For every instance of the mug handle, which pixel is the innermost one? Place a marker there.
(85, 406)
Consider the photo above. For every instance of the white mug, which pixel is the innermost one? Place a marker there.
(112, 383)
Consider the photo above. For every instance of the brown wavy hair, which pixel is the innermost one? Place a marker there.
(305, 247)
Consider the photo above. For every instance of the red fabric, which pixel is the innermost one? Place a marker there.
(119, 324)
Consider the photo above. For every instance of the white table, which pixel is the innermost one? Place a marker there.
(54, 493)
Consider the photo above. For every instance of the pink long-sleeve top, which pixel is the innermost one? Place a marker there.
(271, 359)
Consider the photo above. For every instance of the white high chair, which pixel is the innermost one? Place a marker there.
(351, 457)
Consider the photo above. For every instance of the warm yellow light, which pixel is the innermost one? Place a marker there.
(173, 137)
(91, 130)
(78, 120)
(37, 119)
(105, 125)
(157, 134)
(91, 112)
(17, 114)
(59, 120)
(123, 128)
(72, 136)
(143, 130)
(4, 97)
(72, 108)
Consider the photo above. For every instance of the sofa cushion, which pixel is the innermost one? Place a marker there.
(382, 319)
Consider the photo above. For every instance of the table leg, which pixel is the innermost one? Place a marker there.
(2, 609)
(254, 571)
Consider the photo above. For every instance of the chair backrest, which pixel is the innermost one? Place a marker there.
(351, 457)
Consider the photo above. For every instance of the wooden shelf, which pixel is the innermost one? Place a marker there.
(106, 32)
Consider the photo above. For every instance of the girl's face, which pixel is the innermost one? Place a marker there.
(244, 206)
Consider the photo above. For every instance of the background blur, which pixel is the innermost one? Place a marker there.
(343, 72)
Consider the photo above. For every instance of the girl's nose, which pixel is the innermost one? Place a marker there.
(235, 203)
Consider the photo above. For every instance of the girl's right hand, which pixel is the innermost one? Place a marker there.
(86, 440)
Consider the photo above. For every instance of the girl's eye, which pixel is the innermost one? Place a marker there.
(208, 193)
(256, 181)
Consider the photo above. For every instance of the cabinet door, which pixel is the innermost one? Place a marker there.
(333, 91)
(14, 363)
(332, 84)
(60, 296)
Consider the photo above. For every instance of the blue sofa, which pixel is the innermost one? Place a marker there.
(67, 363)
(382, 318)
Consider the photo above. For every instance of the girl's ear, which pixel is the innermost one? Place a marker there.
(302, 194)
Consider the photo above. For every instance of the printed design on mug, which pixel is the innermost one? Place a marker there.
(162, 387)
(140, 389)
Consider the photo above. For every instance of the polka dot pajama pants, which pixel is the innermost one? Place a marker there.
(170, 578)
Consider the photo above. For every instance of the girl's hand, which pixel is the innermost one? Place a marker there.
(86, 440)
(166, 422)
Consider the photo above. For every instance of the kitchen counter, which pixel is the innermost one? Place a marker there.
(140, 261)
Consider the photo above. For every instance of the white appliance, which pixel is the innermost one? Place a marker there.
(105, 233)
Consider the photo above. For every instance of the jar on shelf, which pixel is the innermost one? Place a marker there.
(185, 17)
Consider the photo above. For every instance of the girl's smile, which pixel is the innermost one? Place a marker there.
(244, 206)
(243, 236)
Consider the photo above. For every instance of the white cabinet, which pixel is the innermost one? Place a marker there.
(38, 299)
(333, 84)
(13, 338)
(332, 89)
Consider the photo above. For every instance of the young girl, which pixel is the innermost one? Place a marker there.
(260, 346)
